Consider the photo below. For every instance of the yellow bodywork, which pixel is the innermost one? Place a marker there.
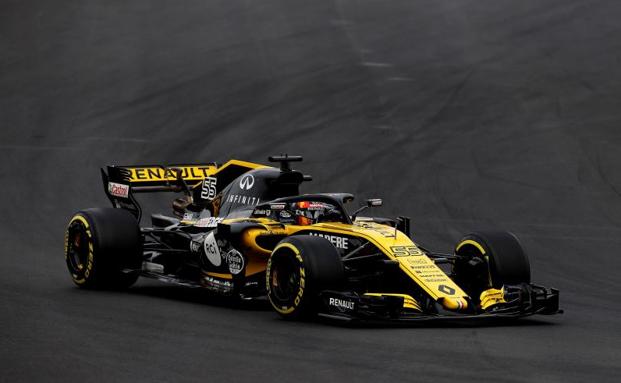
(408, 301)
(396, 245)
(491, 297)
(142, 174)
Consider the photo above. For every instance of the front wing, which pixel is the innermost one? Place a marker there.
(521, 301)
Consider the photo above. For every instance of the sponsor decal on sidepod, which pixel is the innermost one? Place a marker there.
(340, 242)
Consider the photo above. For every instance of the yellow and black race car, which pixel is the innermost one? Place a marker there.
(243, 230)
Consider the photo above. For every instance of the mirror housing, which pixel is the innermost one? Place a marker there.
(373, 202)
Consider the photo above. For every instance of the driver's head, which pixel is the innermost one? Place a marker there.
(303, 215)
(309, 213)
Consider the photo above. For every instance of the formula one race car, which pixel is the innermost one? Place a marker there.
(243, 230)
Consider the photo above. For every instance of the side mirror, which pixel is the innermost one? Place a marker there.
(374, 202)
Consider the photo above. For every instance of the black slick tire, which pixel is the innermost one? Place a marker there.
(299, 268)
(103, 248)
(490, 259)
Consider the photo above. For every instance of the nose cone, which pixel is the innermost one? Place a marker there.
(454, 304)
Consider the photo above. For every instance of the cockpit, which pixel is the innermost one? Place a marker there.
(303, 213)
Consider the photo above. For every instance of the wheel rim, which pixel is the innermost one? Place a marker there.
(285, 278)
(473, 281)
(77, 247)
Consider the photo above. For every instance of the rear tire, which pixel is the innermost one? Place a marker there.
(491, 259)
(299, 268)
(101, 245)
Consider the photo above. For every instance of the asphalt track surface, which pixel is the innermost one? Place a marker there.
(462, 114)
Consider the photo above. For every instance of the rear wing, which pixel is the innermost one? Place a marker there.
(122, 182)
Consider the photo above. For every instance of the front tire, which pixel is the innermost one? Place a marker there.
(490, 259)
(298, 270)
(103, 248)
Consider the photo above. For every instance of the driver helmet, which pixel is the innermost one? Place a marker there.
(309, 213)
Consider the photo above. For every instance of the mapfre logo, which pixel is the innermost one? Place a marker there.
(118, 190)
(339, 242)
(247, 182)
